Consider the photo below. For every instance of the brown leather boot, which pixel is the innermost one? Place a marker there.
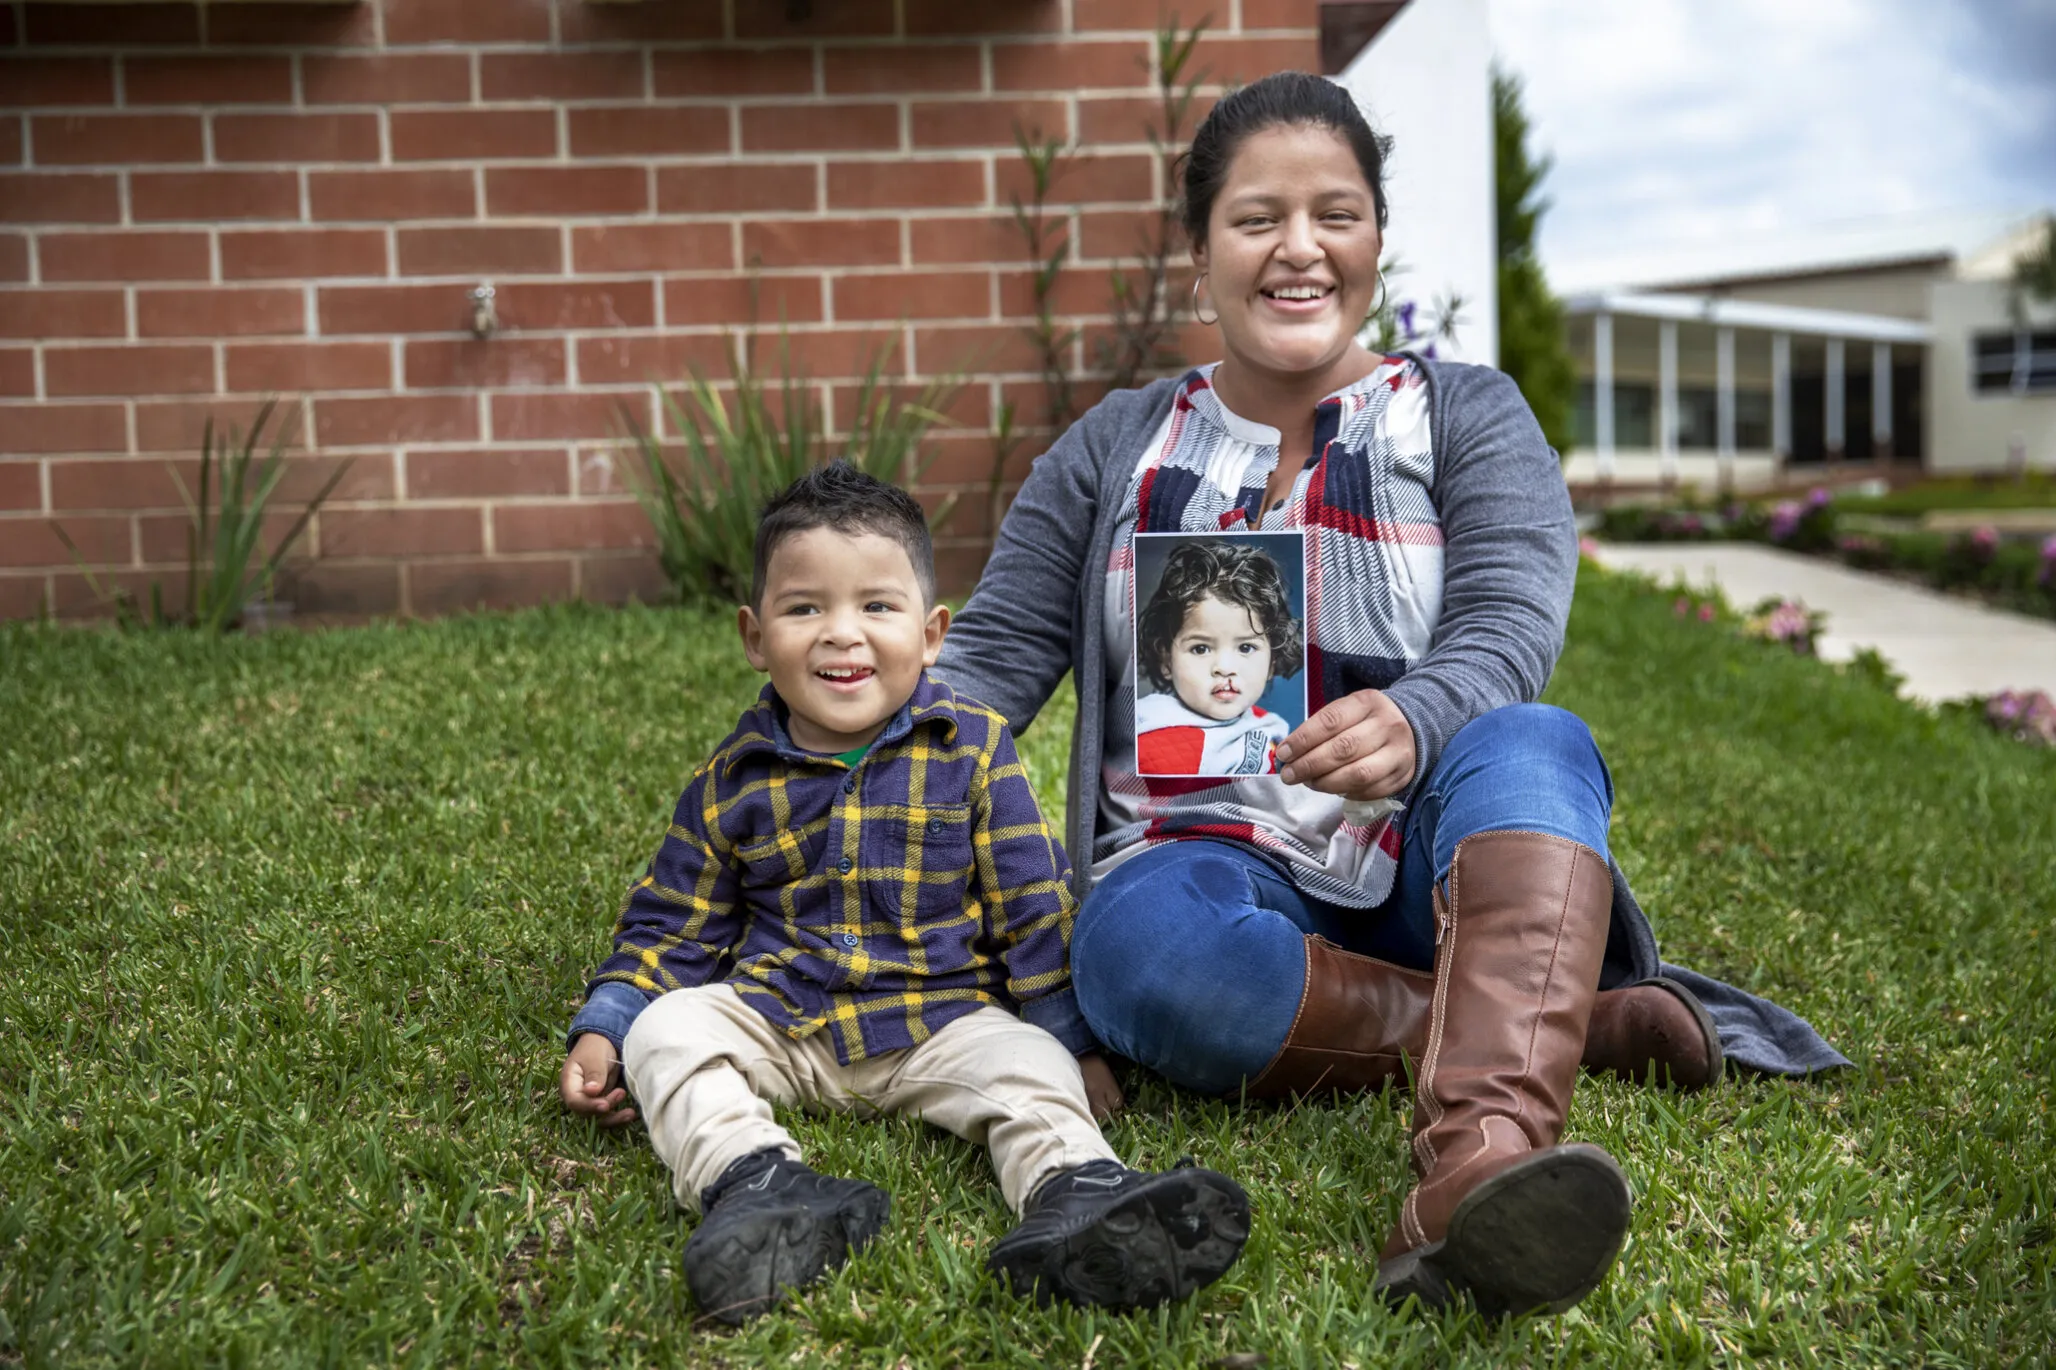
(1502, 1214)
(1654, 1028)
(1359, 1020)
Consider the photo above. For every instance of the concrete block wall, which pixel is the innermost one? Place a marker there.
(201, 206)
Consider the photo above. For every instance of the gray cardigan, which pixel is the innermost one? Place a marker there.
(1510, 564)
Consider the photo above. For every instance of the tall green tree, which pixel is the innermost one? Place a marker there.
(2034, 272)
(1533, 348)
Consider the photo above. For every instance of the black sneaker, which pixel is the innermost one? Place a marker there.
(1110, 1237)
(773, 1224)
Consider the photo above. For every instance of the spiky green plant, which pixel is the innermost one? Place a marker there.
(226, 566)
(734, 453)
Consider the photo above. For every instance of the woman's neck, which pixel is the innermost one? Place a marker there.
(1286, 400)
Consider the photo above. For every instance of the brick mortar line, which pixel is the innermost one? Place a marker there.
(853, 42)
(683, 160)
(788, 101)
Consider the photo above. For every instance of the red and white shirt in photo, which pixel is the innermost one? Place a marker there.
(1171, 739)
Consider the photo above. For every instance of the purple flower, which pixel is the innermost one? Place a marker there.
(1818, 497)
(2024, 715)
(1784, 520)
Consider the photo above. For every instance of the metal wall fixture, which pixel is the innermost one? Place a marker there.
(485, 318)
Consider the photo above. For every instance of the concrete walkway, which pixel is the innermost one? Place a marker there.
(1944, 646)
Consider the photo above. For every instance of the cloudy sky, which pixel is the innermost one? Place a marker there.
(1693, 121)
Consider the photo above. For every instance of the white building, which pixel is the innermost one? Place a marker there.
(1421, 70)
(1889, 340)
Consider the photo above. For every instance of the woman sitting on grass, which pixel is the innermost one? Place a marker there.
(1291, 933)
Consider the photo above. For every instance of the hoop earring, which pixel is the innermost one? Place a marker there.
(1379, 307)
(1195, 303)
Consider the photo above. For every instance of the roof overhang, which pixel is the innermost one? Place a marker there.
(1348, 26)
(1721, 312)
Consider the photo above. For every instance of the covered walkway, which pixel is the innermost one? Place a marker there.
(1741, 390)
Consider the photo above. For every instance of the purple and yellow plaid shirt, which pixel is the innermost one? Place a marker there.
(875, 902)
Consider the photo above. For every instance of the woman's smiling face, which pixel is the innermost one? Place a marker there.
(1291, 253)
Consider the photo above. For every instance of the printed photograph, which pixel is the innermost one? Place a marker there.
(1220, 651)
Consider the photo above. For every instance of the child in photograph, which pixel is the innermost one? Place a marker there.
(859, 907)
(1216, 632)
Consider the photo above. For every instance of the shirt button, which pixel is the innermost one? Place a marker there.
(849, 784)
(849, 939)
(935, 825)
(844, 865)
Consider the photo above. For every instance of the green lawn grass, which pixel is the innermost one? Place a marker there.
(2032, 491)
(292, 926)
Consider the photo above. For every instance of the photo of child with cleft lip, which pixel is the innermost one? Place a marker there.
(1219, 648)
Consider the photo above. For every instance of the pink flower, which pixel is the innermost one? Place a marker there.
(2024, 715)
(1588, 547)
(1985, 539)
(1784, 520)
(1682, 607)
(1706, 613)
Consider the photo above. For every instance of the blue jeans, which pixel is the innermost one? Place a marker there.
(1190, 958)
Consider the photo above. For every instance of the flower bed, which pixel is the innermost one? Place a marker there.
(2010, 572)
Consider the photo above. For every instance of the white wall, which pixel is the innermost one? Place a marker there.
(1427, 82)
(1971, 432)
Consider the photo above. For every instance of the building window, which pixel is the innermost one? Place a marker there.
(2019, 362)
(1634, 409)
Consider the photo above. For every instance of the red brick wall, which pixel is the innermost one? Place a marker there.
(200, 206)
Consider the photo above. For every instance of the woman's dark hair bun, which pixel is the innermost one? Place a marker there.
(1288, 98)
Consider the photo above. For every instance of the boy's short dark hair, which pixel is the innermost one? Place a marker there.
(841, 497)
(1234, 572)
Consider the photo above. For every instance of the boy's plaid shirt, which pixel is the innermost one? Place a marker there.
(874, 902)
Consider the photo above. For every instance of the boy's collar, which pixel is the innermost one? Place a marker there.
(764, 727)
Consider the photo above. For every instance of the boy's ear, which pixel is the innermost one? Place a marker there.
(752, 637)
(933, 631)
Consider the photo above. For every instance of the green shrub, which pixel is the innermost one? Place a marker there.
(227, 569)
(736, 453)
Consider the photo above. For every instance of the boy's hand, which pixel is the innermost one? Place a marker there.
(1100, 1090)
(590, 1084)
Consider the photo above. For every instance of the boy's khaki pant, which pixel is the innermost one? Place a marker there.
(705, 1069)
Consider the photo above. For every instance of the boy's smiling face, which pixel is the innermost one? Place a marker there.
(1220, 660)
(844, 631)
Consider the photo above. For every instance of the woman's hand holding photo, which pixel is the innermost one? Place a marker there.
(1360, 747)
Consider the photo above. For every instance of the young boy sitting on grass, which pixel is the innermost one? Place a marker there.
(859, 907)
